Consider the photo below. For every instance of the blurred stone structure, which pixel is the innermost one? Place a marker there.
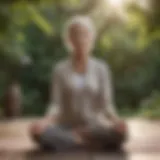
(12, 100)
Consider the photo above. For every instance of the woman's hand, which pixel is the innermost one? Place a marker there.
(77, 132)
(39, 126)
(82, 134)
(121, 126)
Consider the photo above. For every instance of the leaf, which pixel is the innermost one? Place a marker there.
(39, 20)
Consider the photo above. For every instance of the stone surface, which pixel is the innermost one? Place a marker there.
(143, 143)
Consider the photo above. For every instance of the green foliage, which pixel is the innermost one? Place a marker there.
(36, 78)
(39, 20)
(149, 107)
(34, 30)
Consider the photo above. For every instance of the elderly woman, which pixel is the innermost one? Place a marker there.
(81, 111)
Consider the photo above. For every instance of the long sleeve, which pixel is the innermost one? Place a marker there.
(107, 104)
(55, 97)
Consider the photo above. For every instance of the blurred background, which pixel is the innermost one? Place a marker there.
(30, 44)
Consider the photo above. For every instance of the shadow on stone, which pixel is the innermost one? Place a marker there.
(76, 155)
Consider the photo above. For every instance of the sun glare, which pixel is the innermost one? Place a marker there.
(117, 8)
(121, 3)
(116, 3)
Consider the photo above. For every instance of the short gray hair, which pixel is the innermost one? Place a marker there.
(83, 20)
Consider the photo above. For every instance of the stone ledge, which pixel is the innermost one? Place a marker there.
(143, 142)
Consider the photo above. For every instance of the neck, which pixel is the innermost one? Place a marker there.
(80, 62)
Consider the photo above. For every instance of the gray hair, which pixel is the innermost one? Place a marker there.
(83, 20)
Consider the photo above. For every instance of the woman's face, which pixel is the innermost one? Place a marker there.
(80, 38)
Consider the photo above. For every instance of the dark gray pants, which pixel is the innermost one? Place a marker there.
(61, 138)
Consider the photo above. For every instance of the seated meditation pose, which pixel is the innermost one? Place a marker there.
(81, 111)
